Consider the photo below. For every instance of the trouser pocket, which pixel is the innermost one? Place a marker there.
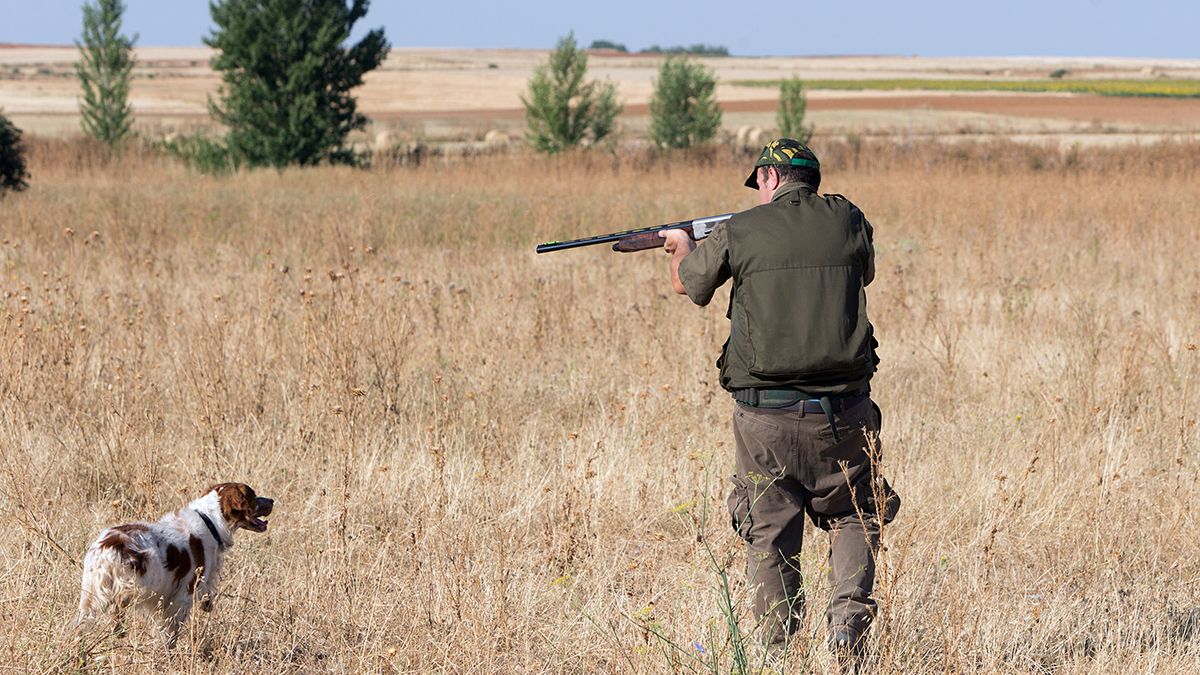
(739, 507)
(850, 421)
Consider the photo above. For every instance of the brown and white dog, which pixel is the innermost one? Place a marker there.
(166, 566)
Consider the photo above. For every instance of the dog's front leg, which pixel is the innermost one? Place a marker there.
(119, 612)
(174, 614)
(206, 590)
(170, 632)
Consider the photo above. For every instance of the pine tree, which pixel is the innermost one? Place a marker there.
(105, 63)
(562, 110)
(12, 158)
(287, 72)
(790, 115)
(683, 111)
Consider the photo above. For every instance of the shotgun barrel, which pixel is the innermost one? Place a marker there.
(641, 238)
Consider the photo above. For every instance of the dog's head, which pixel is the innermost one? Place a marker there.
(241, 507)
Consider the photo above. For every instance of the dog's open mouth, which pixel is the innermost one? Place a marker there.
(262, 509)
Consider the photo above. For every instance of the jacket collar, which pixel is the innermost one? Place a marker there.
(791, 188)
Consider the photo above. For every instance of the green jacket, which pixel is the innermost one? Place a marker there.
(798, 306)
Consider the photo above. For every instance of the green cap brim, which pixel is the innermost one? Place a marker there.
(752, 181)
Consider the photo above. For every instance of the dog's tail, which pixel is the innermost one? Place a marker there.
(105, 578)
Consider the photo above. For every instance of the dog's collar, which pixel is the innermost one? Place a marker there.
(213, 529)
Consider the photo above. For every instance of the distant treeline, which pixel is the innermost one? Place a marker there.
(692, 50)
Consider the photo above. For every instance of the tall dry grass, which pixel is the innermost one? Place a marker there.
(490, 461)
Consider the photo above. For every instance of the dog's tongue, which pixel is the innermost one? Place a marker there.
(258, 524)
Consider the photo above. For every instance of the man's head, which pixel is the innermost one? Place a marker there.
(784, 161)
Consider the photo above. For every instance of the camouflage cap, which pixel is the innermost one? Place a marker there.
(783, 152)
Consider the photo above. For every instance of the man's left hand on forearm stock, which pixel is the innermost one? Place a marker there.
(678, 244)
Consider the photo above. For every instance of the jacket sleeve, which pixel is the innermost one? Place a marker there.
(706, 269)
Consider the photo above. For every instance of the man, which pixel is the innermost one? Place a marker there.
(799, 362)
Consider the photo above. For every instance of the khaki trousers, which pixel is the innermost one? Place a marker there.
(787, 464)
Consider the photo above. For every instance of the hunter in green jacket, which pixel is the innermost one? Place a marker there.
(798, 362)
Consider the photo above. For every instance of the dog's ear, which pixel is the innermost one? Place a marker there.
(220, 488)
(241, 488)
(237, 501)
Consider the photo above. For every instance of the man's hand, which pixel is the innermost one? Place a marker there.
(676, 240)
(679, 245)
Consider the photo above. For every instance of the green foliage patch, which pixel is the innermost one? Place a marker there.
(562, 110)
(683, 111)
(698, 49)
(104, 67)
(608, 44)
(12, 158)
(790, 115)
(202, 153)
(287, 69)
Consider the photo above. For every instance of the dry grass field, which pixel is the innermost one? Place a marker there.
(485, 460)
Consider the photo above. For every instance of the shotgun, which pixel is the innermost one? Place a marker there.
(640, 239)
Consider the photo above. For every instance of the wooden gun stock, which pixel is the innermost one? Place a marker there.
(639, 242)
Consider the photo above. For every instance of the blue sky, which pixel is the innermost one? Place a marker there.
(1151, 28)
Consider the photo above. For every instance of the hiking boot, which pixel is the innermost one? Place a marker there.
(847, 646)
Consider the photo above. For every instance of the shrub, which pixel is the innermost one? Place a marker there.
(1058, 74)
(12, 158)
(201, 153)
(105, 62)
(683, 111)
(792, 106)
(563, 111)
(286, 78)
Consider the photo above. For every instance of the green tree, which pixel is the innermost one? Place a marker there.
(683, 111)
(12, 158)
(790, 115)
(105, 63)
(287, 72)
(561, 109)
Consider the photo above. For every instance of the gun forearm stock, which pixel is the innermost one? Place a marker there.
(639, 242)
